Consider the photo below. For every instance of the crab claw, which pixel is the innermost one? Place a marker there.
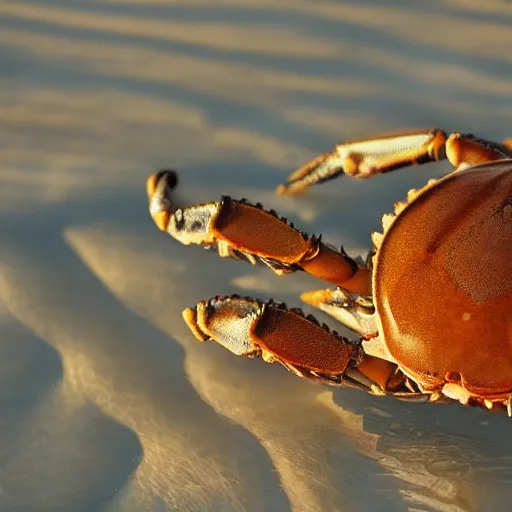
(357, 313)
(240, 230)
(158, 188)
(248, 327)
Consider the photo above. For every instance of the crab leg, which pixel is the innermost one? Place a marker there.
(354, 311)
(244, 231)
(250, 328)
(365, 158)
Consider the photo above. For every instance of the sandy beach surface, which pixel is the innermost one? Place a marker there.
(107, 402)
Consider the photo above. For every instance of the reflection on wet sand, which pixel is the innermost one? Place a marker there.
(107, 401)
(106, 361)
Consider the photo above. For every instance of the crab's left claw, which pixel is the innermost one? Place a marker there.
(250, 328)
(242, 230)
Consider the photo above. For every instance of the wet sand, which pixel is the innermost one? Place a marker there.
(107, 402)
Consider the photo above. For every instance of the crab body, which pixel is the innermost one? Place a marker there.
(433, 303)
(443, 284)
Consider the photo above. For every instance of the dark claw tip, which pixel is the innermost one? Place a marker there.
(170, 176)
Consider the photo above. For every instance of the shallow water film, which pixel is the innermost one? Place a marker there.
(107, 402)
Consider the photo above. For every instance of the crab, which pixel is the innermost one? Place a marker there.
(430, 307)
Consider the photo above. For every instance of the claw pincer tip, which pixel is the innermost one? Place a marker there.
(158, 188)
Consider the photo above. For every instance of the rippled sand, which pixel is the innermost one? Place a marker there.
(107, 402)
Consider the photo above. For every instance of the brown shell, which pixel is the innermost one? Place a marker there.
(443, 282)
(251, 228)
(299, 341)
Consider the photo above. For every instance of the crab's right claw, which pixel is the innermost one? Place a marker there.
(250, 328)
(240, 230)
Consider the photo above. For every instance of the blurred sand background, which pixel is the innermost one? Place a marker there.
(107, 402)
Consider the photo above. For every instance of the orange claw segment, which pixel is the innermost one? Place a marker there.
(360, 282)
(251, 229)
(151, 185)
(316, 298)
(161, 219)
(465, 149)
(334, 267)
(297, 341)
(158, 187)
(190, 317)
(381, 371)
